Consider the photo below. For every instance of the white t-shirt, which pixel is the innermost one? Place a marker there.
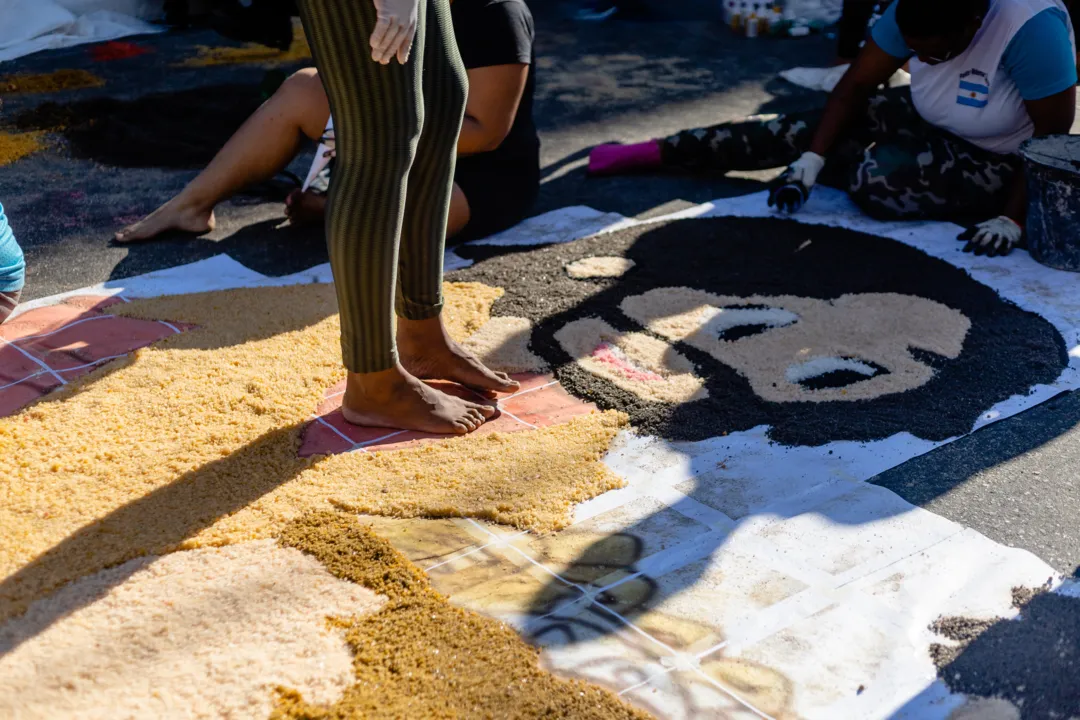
(975, 94)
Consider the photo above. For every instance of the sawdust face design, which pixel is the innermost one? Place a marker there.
(820, 333)
(791, 349)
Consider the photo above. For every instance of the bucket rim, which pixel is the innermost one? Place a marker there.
(1030, 152)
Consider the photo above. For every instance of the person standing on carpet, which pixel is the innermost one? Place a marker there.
(985, 76)
(12, 269)
(398, 108)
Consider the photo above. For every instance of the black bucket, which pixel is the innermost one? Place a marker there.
(1053, 182)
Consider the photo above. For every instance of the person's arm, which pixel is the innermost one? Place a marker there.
(494, 96)
(872, 68)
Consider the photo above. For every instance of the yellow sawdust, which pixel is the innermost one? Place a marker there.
(419, 656)
(470, 307)
(193, 443)
(49, 82)
(252, 53)
(503, 344)
(16, 146)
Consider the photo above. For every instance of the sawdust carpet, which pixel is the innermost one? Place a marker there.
(193, 443)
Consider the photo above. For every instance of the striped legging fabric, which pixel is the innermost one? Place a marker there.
(396, 130)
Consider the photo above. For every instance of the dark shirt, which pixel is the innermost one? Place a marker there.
(501, 32)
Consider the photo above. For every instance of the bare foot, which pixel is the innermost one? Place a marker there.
(395, 399)
(428, 352)
(303, 208)
(173, 215)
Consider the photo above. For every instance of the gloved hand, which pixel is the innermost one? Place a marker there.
(395, 28)
(790, 191)
(997, 236)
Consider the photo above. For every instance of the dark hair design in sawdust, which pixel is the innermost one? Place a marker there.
(915, 345)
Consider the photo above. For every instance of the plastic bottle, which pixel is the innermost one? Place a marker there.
(731, 14)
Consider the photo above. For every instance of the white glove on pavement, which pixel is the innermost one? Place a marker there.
(792, 189)
(395, 28)
(997, 236)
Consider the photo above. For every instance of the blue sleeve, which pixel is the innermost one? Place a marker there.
(886, 33)
(12, 265)
(1040, 58)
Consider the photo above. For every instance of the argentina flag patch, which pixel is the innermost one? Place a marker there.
(974, 89)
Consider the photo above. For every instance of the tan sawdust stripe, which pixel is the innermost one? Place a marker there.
(419, 656)
(193, 442)
(207, 56)
(16, 146)
(55, 81)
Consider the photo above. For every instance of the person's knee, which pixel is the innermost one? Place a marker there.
(890, 184)
(303, 96)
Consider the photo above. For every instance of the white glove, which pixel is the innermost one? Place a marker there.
(395, 28)
(997, 236)
(792, 188)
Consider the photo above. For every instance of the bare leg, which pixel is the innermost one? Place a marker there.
(428, 352)
(262, 146)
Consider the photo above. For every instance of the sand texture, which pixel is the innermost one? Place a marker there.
(49, 82)
(193, 443)
(252, 53)
(200, 634)
(503, 344)
(607, 266)
(16, 146)
(419, 656)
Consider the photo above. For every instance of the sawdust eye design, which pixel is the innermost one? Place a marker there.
(794, 349)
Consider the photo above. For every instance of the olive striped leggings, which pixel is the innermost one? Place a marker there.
(396, 132)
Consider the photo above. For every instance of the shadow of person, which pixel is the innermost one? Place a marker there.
(160, 521)
(749, 261)
(270, 246)
(1031, 661)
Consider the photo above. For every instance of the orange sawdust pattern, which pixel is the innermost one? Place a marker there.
(419, 656)
(49, 82)
(252, 54)
(193, 442)
(16, 146)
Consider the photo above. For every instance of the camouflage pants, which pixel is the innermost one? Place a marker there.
(894, 164)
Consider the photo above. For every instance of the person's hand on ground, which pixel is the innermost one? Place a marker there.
(395, 28)
(997, 236)
(791, 190)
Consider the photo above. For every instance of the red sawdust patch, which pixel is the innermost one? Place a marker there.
(117, 50)
(540, 402)
(47, 347)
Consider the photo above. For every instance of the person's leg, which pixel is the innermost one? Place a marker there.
(937, 177)
(762, 143)
(8, 302)
(12, 269)
(378, 115)
(460, 212)
(753, 144)
(262, 146)
(309, 206)
(427, 351)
